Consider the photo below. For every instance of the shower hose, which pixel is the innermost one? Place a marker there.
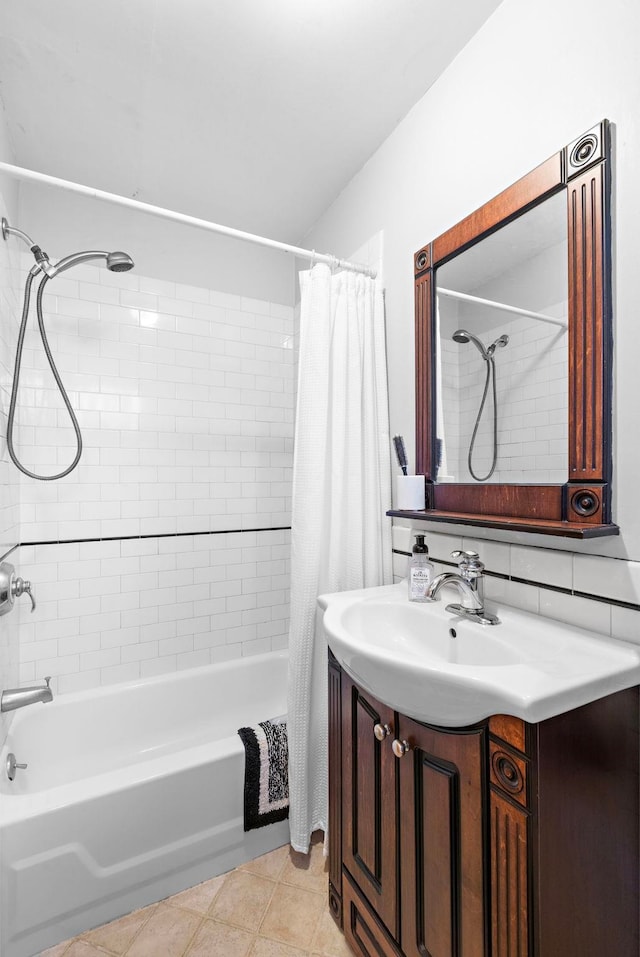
(491, 375)
(56, 375)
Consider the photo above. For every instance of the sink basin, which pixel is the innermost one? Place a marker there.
(442, 669)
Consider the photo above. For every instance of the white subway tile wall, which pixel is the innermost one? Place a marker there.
(111, 611)
(185, 397)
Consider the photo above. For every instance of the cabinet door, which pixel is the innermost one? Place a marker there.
(369, 812)
(362, 928)
(442, 842)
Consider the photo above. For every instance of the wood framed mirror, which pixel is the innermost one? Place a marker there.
(519, 293)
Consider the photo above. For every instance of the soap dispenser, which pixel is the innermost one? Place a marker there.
(420, 571)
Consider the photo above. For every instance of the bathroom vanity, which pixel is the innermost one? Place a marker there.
(484, 781)
(501, 839)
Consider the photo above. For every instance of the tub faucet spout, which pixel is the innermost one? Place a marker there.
(13, 698)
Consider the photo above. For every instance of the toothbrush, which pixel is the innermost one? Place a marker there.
(401, 454)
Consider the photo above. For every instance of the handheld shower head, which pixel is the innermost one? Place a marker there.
(463, 336)
(116, 261)
(460, 336)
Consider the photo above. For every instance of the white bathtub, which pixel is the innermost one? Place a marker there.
(132, 793)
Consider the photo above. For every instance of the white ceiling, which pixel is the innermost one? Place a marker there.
(254, 114)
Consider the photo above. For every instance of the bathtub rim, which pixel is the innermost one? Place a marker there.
(20, 807)
(168, 677)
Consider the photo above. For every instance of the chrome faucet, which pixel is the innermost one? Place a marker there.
(470, 585)
(14, 698)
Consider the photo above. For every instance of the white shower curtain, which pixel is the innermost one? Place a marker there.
(341, 538)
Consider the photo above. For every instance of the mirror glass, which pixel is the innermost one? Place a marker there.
(502, 354)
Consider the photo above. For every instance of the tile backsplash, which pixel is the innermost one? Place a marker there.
(589, 591)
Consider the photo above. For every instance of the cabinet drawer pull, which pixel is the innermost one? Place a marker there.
(400, 747)
(381, 731)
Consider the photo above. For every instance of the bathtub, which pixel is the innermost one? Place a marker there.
(132, 793)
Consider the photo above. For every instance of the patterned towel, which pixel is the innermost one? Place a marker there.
(266, 773)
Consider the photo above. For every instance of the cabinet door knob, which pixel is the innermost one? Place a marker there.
(381, 731)
(400, 747)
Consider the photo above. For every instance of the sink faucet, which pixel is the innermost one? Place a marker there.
(14, 698)
(470, 585)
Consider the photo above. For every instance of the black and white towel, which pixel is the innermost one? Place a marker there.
(266, 773)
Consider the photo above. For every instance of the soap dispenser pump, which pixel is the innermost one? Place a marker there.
(420, 571)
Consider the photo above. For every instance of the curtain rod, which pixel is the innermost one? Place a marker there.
(452, 294)
(21, 173)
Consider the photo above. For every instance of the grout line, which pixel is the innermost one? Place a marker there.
(276, 884)
(192, 939)
(142, 926)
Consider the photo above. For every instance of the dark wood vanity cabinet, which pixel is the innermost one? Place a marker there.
(500, 840)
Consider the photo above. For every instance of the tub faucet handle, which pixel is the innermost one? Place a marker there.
(12, 766)
(20, 587)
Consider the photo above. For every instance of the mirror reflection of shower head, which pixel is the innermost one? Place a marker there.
(463, 336)
(500, 342)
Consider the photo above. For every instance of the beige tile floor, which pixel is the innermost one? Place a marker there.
(275, 906)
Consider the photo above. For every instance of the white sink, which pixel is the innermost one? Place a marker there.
(446, 670)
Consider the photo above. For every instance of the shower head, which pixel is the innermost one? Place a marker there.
(462, 336)
(116, 261)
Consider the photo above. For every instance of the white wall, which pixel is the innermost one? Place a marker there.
(532, 79)
(63, 222)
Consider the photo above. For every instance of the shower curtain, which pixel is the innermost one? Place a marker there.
(341, 538)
